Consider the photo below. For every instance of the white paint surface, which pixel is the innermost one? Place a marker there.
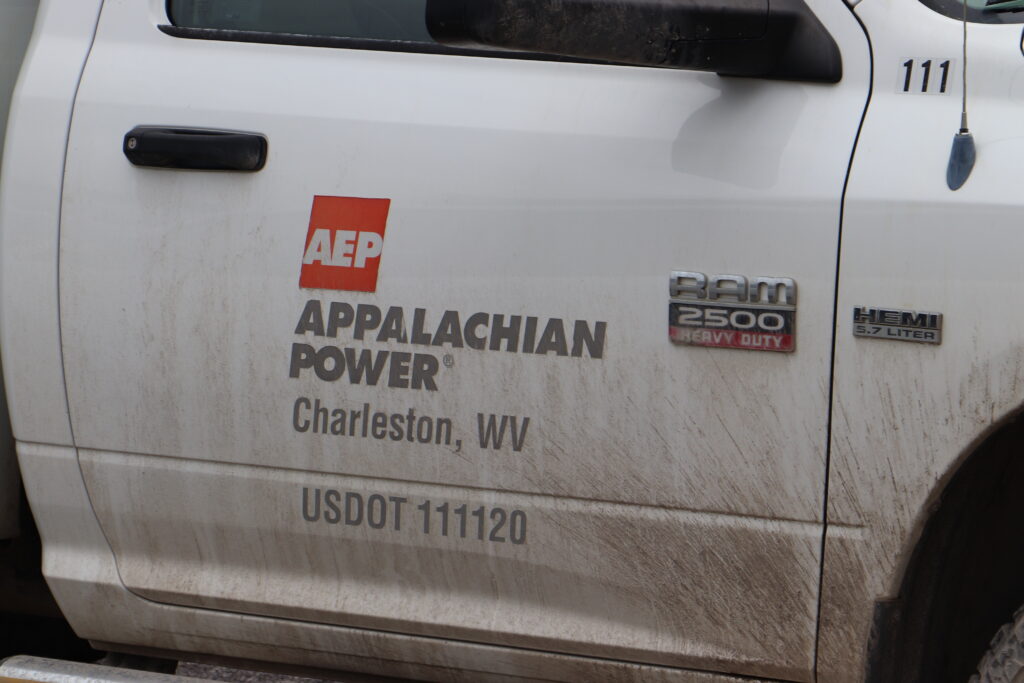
(32, 174)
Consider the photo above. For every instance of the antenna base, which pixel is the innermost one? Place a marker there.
(961, 159)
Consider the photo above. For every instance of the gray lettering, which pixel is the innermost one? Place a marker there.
(340, 315)
(320, 418)
(593, 340)
(518, 435)
(367, 318)
(529, 334)
(353, 509)
(367, 362)
(410, 421)
(306, 514)
(424, 430)
(376, 504)
(443, 432)
(333, 355)
(397, 502)
(553, 338)
(424, 367)
(311, 320)
(302, 358)
(379, 428)
(338, 422)
(398, 373)
(473, 323)
(393, 327)
(419, 336)
(507, 333)
(300, 424)
(491, 430)
(332, 513)
(448, 331)
(396, 433)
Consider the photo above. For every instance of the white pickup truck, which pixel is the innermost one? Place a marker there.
(491, 340)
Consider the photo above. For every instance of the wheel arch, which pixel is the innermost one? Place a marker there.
(958, 583)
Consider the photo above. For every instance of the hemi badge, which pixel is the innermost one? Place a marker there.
(894, 323)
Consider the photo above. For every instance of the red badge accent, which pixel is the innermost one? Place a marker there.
(344, 243)
(731, 339)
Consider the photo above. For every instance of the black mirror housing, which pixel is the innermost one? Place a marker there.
(779, 39)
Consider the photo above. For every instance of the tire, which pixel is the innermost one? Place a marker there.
(1004, 661)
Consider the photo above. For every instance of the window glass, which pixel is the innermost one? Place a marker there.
(981, 11)
(374, 19)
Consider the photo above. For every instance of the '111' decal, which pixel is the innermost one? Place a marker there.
(928, 77)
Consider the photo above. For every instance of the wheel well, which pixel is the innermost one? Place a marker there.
(966, 575)
(30, 620)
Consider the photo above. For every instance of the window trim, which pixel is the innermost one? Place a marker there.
(305, 40)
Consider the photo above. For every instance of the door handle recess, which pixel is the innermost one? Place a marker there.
(195, 148)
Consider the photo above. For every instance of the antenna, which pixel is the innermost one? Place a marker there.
(963, 153)
(963, 79)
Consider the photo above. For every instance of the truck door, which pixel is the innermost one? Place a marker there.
(416, 374)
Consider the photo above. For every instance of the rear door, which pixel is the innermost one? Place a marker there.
(415, 375)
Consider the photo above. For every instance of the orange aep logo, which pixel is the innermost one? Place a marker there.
(344, 243)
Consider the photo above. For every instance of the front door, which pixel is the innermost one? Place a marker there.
(415, 375)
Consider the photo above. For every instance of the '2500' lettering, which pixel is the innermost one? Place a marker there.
(739, 319)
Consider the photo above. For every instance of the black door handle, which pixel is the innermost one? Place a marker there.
(195, 148)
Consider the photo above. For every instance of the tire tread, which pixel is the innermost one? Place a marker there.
(1005, 657)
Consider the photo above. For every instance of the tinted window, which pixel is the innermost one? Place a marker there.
(375, 19)
(978, 11)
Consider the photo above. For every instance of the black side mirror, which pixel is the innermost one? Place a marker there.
(756, 38)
